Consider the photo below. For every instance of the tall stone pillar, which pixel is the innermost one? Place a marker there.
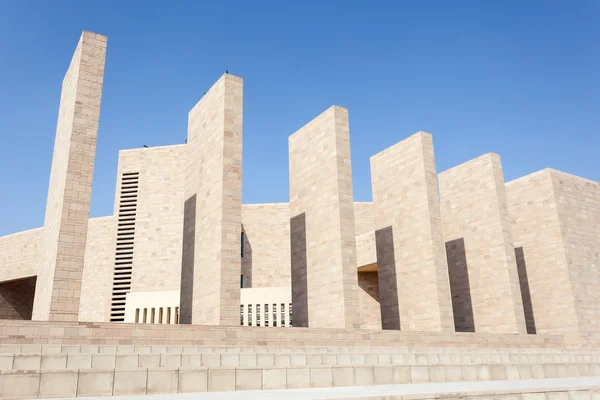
(58, 284)
(323, 247)
(414, 291)
(211, 267)
(481, 256)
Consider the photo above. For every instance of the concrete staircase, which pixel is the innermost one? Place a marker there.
(61, 360)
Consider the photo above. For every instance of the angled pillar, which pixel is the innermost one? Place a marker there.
(211, 267)
(58, 283)
(323, 247)
(411, 258)
(478, 234)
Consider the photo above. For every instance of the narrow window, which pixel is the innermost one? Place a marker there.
(290, 316)
(160, 315)
(241, 314)
(242, 250)
(282, 314)
(258, 315)
(274, 314)
(266, 315)
(137, 315)
(176, 315)
(168, 315)
(241, 281)
(145, 314)
(152, 315)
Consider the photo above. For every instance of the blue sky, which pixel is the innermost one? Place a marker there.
(518, 78)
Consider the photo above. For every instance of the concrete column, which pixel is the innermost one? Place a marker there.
(211, 267)
(58, 284)
(414, 291)
(323, 247)
(480, 247)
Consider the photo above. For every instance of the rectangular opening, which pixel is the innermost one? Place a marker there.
(160, 315)
(176, 315)
(152, 315)
(137, 315)
(145, 315)
(168, 315)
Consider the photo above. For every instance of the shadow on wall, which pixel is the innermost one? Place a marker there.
(388, 283)
(246, 260)
(299, 270)
(16, 298)
(187, 261)
(460, 288)
(525, 293)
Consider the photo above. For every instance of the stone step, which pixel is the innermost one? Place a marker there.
(414, 351)
(94, 361)
(533, 389)
(85, 333)
(142, 381)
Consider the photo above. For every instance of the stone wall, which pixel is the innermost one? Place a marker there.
(368, 297)
(97, 279)
(578, 202)
(323, 243)
(266, 258)
(16, 298)
(58, 285)
(413, 281)
(475, 213)
(210, 280)
(159, 216)
(20, 254)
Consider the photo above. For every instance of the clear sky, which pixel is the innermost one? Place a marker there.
(520, 78)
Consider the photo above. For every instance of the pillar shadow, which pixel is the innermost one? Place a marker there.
(16, 298)
(186, 293)
(299, 270)
(388, 282)
(525, 292)
(462, 305)
(246, 259)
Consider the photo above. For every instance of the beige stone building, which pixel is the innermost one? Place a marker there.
(456, 276)
(474, 254)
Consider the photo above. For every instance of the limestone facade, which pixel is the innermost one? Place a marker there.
(210, 280)
(498, 260)
(414, 291)
(556, 228)
(323, 242)
(58, 286)
(475, 216)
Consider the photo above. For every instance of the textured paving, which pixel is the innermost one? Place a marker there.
(428, 390)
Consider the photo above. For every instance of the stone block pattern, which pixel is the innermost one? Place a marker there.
(413, 278)
(16, 298)
(364, 218)
(321, 191)
(474, 209)
(214, 176)
(20, 254)
(368, 297)
(58, 286)
(266, 260)
(578, 202)
(159, 217)
(96, 283)
(537, 235)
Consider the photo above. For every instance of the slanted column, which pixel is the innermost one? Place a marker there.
(58, 285)
(414, 291)
(323, 247)
(481, 255)
(211, 267)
